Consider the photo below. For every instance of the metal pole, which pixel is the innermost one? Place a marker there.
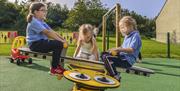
(104, 33)
(107, 39)
(168, 45)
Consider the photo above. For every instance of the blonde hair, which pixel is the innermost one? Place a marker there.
(84, 29)
(34, 6)
(129, 21)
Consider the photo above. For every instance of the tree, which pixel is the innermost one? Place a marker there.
(56, 15)
(85, 11)
(8, 13)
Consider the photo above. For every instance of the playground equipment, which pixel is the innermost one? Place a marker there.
(90, 75)
(15, 53)
(76, 62)
(90, 63)
(117, 8)
(87, 75)
(90, 80)
(7, 36)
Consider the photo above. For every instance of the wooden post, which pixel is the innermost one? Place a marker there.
(104, 33)
(118, 40)
(118, 10)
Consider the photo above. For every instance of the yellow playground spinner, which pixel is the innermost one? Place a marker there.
(90, 79)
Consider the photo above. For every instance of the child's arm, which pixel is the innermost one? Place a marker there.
(58, 35)
(95, 50)
(120, 49)
(79, 43)
(52, 35)
(127, 50)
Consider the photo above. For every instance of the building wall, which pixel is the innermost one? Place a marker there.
(178, 37)
(169, 21)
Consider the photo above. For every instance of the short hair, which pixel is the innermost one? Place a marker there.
(129, 21)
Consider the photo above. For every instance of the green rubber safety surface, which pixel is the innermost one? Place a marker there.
(35, 77)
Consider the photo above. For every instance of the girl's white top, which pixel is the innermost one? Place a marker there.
(86, 51)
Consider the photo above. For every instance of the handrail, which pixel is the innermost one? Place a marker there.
(107, 14)
(117, 8)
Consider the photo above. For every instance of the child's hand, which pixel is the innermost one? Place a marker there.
(65, 44)
(114, 53)
(112, 49)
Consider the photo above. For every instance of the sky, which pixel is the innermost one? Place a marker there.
(149, 8)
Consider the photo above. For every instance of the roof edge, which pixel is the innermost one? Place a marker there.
(161, 10)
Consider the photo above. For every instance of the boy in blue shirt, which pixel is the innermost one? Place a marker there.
(129, 50)
(38, 33)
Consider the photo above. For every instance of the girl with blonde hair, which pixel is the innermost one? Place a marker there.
(86, 45)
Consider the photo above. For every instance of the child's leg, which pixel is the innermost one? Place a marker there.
(121, 62)
(57, 47)
(45, 46)
(109, 67)
(40, 46)
(111, 62)
(118, 62)
(82, 55)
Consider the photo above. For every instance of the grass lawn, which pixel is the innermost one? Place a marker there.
(5, 49)
(150, 48)
(35, 77)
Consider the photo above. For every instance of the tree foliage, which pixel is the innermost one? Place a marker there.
(56, 15)
(85, 11)
(8, 14)
(13, 16)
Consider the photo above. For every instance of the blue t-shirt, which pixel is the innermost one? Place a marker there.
(133, 40)
(34, 30)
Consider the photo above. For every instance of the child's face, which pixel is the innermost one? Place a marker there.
(87, 37)
(41, 13)
(125, 29)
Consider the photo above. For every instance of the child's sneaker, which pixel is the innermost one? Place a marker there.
(56, 71)
(59, 66)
